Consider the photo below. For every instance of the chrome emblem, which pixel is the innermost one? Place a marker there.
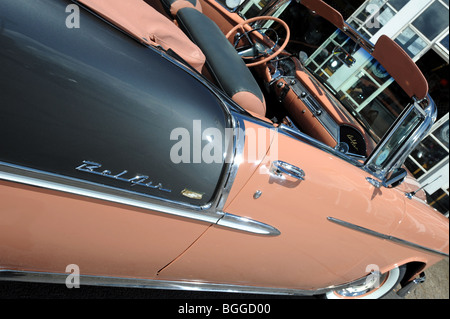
(141, 180)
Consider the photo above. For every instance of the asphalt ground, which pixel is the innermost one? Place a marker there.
(436, 286)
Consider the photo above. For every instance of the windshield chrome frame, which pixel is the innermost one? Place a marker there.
(428, 109)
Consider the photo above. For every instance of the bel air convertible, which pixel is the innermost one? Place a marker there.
(183, 144)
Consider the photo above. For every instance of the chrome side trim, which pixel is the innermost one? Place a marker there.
(234, 151)
(246, 224)
(60, 278)
(83, 188)
(102, 192)
(384, 236)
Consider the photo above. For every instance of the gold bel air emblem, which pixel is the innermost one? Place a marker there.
(191, 194)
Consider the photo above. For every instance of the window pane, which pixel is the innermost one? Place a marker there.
(404, 131)
(444, 42)
(413, 168)
(377, 71)
(398, 4)
(362, 89)
(370, 8)
(439, 200)
(429, 153)
(382, 111)
(326, 54)
(411, 42)
(433, 20)
(379, 20)
(442, 134)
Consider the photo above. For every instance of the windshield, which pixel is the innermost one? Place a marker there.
(359, 82)
(403, 130)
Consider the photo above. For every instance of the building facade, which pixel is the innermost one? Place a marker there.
(421, 28)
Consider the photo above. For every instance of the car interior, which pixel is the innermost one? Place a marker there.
(256, 56)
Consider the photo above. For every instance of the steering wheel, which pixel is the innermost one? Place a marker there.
(254, 44)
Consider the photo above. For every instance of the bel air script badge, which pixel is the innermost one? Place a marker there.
(142, 180)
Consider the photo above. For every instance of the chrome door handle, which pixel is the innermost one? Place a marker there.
(279, 167)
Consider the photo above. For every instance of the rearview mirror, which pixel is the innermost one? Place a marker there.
(341, 55)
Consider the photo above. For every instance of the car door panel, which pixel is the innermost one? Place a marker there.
(311, 252)
(86, 171)
(44, 230)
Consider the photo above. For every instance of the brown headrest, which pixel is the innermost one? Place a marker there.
(400, 66)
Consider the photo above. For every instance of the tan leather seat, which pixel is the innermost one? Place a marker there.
(149, 26)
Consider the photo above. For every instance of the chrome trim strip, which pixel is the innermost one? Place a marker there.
(102, 192)
(230, 220)
(429, 113)
(235, 151)
(82, 188)
(59, 278)
(246, 224)
(384, 236)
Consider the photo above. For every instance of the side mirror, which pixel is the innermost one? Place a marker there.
(341, 55)
(396, 178)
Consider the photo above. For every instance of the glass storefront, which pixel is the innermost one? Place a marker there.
(429, 163)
